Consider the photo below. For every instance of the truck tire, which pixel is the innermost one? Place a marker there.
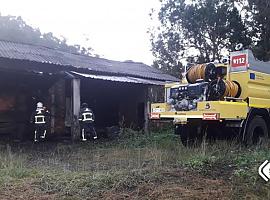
(188, 134)
(257, 131)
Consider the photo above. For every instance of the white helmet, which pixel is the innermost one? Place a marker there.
(39, 105)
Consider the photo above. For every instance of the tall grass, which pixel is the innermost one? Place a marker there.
(83, 170)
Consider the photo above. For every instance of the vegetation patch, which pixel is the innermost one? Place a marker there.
(133, 166)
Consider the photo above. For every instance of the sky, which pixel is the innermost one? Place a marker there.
(115, 29)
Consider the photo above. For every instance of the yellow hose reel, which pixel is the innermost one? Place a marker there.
(206, 72)
(219, 89)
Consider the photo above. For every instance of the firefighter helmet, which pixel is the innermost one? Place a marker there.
(39, 105)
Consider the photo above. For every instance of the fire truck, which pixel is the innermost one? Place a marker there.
(228, 99)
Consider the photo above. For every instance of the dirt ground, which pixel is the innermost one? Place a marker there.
(179, 184)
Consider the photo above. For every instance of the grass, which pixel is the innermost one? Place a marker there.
(133, 166)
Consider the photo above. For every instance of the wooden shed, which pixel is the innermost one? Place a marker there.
(118, 92)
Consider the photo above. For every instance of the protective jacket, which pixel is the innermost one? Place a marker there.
(86, 119)
(86, 115)
(40, 118)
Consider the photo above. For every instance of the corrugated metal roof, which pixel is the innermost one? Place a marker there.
(125, 79)
(42, 54)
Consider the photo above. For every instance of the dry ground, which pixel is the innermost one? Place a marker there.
(156, 166)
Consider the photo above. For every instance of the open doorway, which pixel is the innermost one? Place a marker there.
(114, 103)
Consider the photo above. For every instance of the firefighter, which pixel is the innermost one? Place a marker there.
(86, 119)
(40, 117)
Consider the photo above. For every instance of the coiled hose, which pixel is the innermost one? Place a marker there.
(232, 89)
(205, 72)
(219, 89)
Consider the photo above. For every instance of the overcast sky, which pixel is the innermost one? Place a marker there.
(116, 28)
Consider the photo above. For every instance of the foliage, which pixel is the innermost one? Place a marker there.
(126, 166)
(258, 19)
(204, 31)
(17, 30)
(200, 31)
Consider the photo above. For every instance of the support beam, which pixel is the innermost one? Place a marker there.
(146, 111)
(76, 102)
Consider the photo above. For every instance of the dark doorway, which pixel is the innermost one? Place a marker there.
(114, 103)
(19, 93)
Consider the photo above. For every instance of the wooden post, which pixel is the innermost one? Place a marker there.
(146, 111)
(76, 102)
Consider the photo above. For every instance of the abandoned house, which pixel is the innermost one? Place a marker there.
(118, 92)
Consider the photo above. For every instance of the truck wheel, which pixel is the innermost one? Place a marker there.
(257, 131)
(188, 134)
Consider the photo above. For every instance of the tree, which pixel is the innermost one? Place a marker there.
(15, 29)
(165, 49)
(200, 31)
(258, 18)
